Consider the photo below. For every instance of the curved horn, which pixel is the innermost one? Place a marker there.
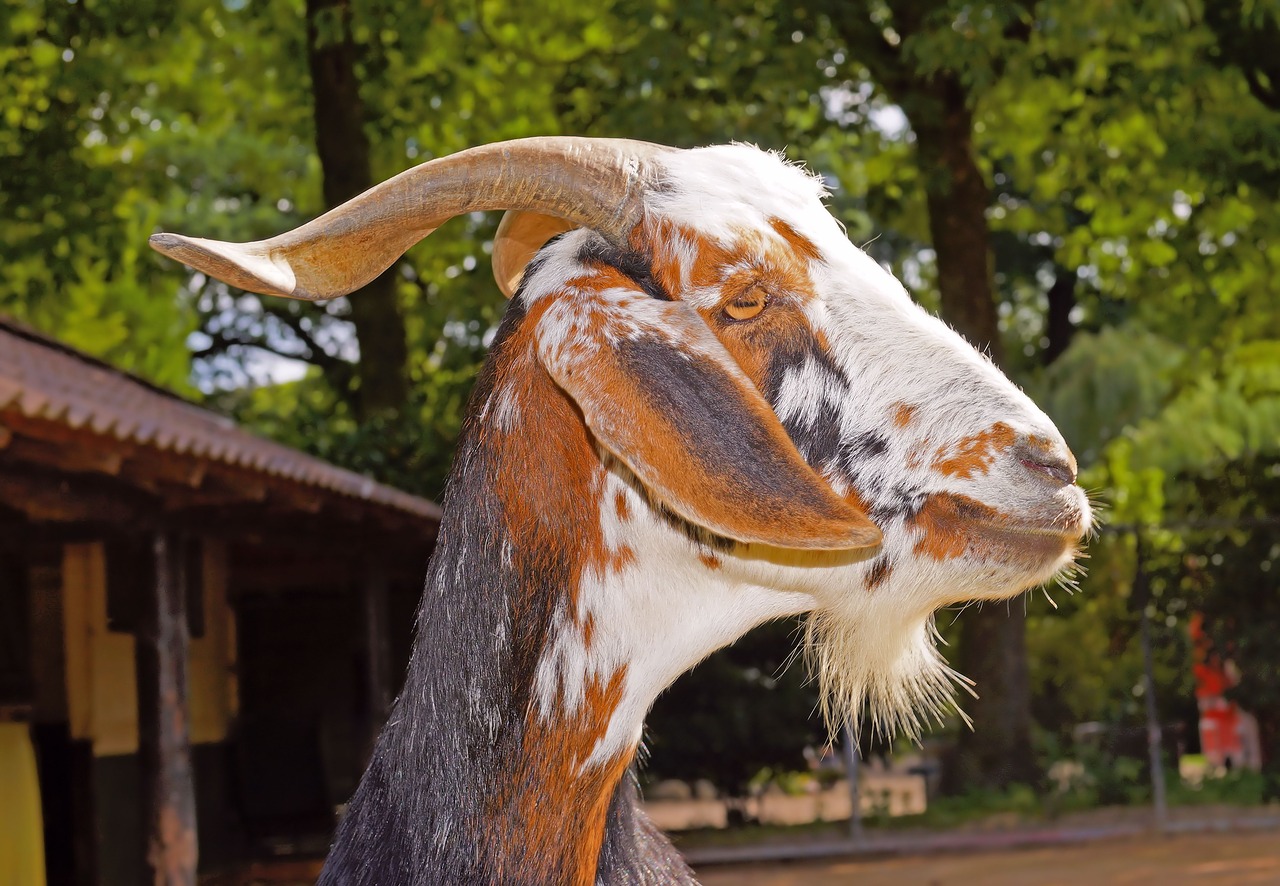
(519, 237)
(590, 182)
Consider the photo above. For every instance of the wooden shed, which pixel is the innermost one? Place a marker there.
(199, 628)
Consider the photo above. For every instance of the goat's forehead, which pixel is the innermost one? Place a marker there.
(741, 198)
(721, 189)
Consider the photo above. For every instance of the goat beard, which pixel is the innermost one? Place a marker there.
(890, 677)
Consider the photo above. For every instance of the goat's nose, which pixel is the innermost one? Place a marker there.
(1054, 463)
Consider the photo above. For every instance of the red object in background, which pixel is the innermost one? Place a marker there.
(1225, 730)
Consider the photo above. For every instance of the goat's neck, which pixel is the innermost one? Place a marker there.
(558, 605)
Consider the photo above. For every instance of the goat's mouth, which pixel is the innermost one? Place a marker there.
(1035, 547)
(1066, 530)
(954, 526)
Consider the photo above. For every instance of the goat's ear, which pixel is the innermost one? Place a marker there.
(659, 391)
(520, 235)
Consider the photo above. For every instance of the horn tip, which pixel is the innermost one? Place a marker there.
(165, 243)
(245, 265)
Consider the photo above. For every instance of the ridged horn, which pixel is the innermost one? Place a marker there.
(589, 182)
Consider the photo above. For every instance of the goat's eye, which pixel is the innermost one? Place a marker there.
(747, 305)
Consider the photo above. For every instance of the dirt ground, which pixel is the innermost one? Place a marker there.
(1202, 859)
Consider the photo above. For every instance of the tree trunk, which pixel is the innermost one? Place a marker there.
(957, 199)
(343, 147)
(993, 648)
(1058, 326)
(997, 751)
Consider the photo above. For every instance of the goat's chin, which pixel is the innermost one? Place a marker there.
(1007, 581)
(886, 674)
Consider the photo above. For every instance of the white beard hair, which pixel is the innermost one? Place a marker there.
(894, 679)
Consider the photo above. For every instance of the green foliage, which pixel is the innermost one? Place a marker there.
(1107, 382)
(74, 213)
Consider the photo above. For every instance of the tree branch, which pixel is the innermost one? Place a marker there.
(340, 373)
(1268, 95)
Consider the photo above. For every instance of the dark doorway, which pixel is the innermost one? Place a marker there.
(301, 738)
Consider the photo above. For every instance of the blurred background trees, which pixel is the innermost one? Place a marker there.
(1084, 188)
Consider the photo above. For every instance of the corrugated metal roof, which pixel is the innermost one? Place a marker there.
(45, 380)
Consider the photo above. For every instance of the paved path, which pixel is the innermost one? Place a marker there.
(1204, 859)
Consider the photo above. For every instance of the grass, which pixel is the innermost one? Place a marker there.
(1239, 788)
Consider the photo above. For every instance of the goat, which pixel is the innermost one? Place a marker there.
(704, 408)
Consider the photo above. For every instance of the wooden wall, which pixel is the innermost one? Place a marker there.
(102, 701)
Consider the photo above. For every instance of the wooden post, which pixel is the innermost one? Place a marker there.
(164, 744)
(378, 660)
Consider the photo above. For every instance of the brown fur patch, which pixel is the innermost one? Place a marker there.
(552, 513)
(622, 506)
(1041, 445)
(943, 521)
(974, 454)
(709, 560)
(800, 244)
(903, 414)
(953, 525)
(682, 257)
(776, 265)
(753, 343)
(854, 498)
(617, 559)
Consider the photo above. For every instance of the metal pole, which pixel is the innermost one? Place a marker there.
(851, 758)
(1142, 595)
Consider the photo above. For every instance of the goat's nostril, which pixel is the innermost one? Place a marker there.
(1060, 469)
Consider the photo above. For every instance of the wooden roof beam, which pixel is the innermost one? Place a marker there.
(45, 496)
